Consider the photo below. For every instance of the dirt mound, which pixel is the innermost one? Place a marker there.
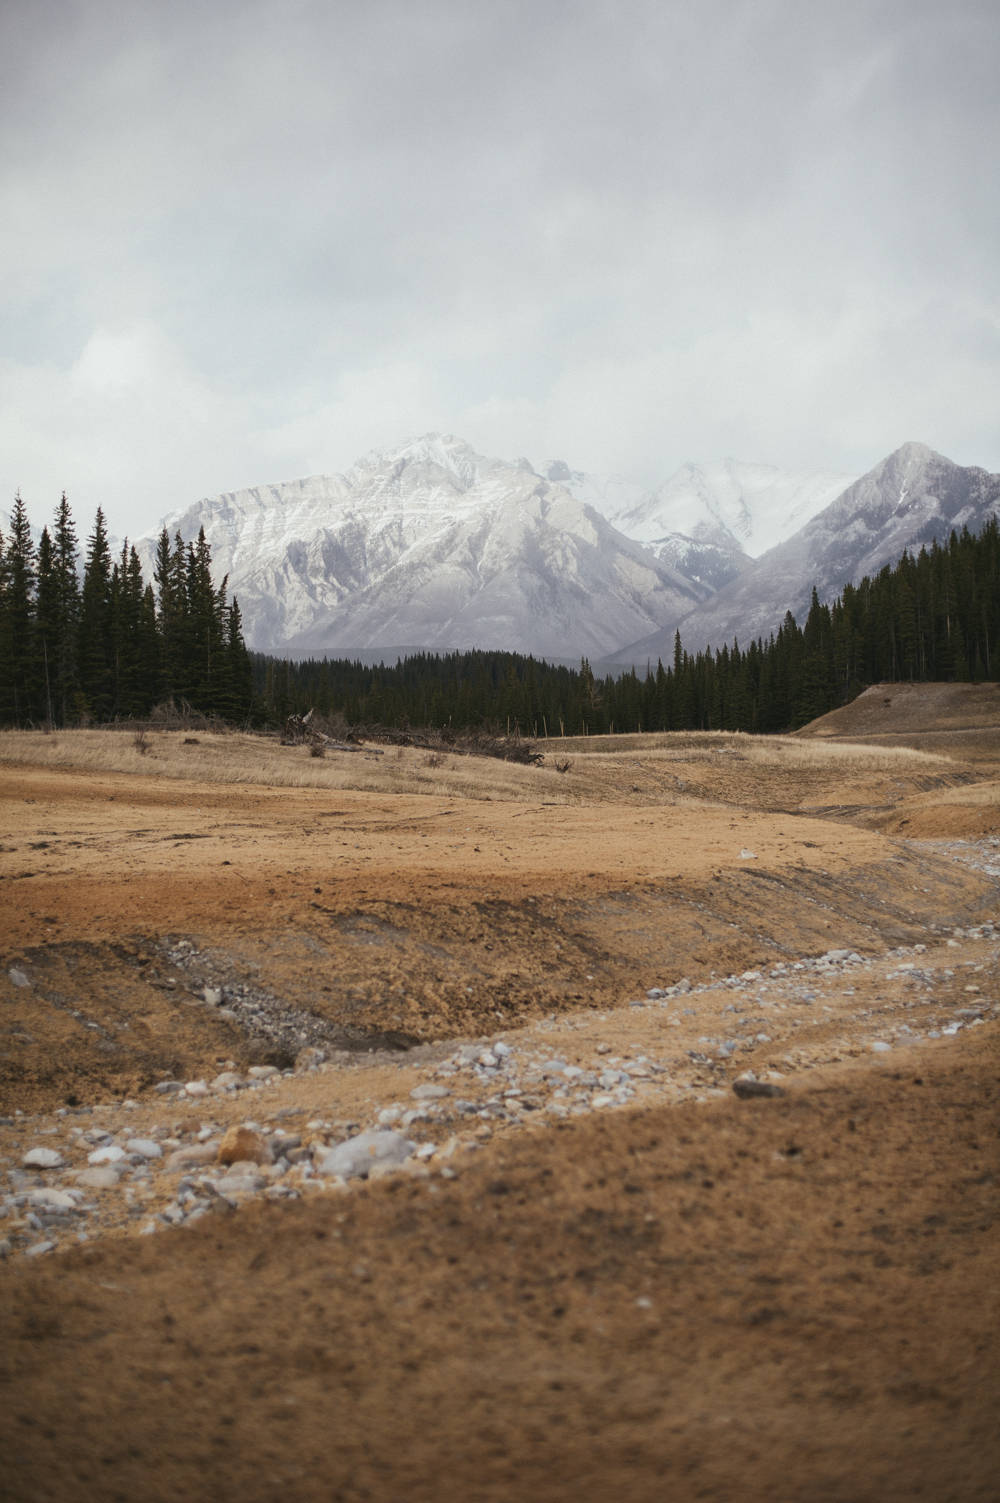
(908, 709)
(785, 1299)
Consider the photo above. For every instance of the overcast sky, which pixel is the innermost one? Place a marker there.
(249, 241)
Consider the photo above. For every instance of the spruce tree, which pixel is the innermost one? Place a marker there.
(20, 703)
(66, 625)
(96, 657)
(46, 621)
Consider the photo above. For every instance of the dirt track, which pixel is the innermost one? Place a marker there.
(684, 1296)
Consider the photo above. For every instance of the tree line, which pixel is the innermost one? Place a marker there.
(935, 616)
(97, 644)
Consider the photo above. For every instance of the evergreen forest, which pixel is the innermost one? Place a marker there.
(91, 645)
(88, 641)
(933, 616)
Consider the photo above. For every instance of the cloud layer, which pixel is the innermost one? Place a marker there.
(249, 241)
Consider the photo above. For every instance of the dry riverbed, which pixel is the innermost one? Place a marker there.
(389, 1130)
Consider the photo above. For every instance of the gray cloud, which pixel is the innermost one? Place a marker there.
(246, 241)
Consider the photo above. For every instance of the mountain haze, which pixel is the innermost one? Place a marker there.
(904, 502)
(708, 521)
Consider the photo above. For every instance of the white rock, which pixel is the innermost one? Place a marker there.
(879, 1048)
(98, 1179)
(144, 1146)
(57, 1198)
(746, 855)
(112, 1155)
(429, 1093)
(389, 1115)
(750, 976)
(488, 1059)
(227, 1078)
(42, 1158)
(261, 1072)
(39, 1247)
(241, 1184)
(212, 995)
(18, 977)
(503, 1050)
(353, 1159)
(196, 1088)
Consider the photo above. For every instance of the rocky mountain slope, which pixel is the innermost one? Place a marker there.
(907, 500)
(709, 521)
(429, 543)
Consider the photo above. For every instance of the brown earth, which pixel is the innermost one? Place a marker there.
(786, 1299)
(402, 919)
(821, 1271)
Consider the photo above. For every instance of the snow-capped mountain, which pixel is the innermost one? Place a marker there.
(708, 521)
(908, 499)
(429, 543)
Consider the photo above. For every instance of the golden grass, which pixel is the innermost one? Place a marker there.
(603, 769)
(776, 751)
(261, 761)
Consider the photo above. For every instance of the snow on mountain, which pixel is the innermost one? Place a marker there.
(708, 521)
(429, 543)
(908, 499)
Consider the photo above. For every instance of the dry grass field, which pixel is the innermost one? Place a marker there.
(664, 1293)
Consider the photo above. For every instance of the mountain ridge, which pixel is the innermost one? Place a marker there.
(902, 503)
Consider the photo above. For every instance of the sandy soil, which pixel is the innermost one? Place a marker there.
(666, 1293)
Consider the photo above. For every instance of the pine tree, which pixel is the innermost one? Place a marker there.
(20, 703)
(96, 656)
(63, 668)
(46, 622)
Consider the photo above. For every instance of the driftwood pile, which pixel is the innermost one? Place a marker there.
(485, 741)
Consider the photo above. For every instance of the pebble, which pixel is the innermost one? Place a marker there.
(57, 1198)
(39, 1247)
(243, 1145)
(112, 1155)
(429, 1093)
(18, 977)
(42, 1158)
(191, 1156)
(353, 1159)
(145, 1147)
(98, 1179)
(240, 1184)
(746, 855)
(261, 1072)
(879, 1048)
(196, 1088)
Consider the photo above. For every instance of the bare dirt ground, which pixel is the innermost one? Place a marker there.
(602, 1273)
